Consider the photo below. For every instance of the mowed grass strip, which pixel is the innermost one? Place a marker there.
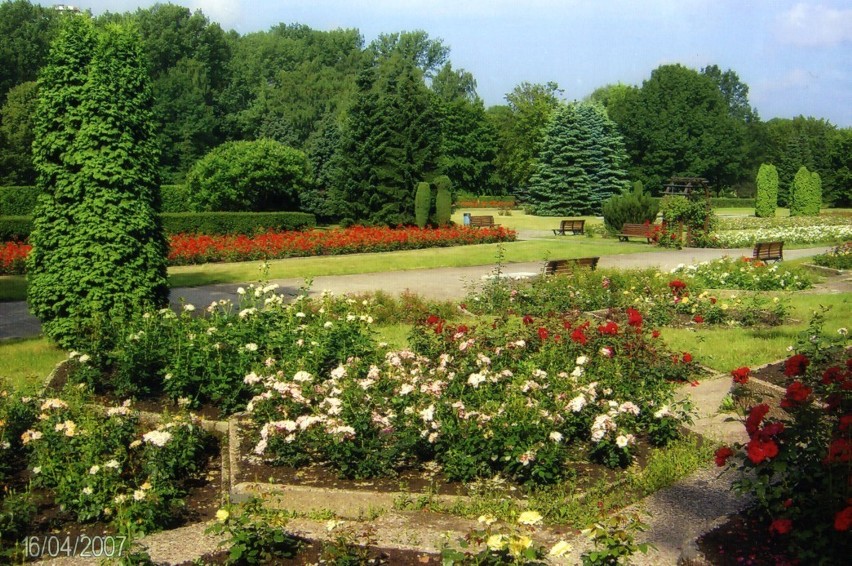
(26, 363)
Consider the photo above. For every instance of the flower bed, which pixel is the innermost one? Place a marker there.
(839, 257)
(662, 300)
(520, 397)
(94, 464)
(193, 249)
(746, 274)
(789, 235)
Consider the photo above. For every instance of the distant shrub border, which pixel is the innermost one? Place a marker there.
(17, 228)
(188, 249)
(485, 202)
(20, 200)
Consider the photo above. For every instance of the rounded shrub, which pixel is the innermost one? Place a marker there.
(240, 176)
(767, 191)
(633, 207)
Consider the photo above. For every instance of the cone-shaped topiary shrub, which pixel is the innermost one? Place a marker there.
(443, 201)
(422, 204)
(767, 191)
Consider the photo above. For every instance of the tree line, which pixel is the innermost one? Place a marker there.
(372, 120)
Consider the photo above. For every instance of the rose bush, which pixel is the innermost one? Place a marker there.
(745, 273)
(799, 466)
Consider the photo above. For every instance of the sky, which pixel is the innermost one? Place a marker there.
(796, 57)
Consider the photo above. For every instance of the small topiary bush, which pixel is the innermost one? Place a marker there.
(767, 191)
(443, 201)
(422, 204)
(806, 193)
(633, 207)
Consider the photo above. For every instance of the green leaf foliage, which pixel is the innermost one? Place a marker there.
(806, 193)
(581, 163)
(16, 135)
(98, 246)
(767, 191)
(262, 175)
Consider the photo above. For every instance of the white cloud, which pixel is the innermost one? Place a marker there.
(228, 13)
(807, 25)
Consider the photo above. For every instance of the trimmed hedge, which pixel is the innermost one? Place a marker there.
(175, 198)
(726, 202)
(15, 228)
(18, 201)
(208, 223)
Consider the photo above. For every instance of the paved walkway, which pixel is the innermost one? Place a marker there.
(445, 283)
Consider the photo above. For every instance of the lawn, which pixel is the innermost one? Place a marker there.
(28, 362)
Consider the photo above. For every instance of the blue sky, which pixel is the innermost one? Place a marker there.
(796, 57)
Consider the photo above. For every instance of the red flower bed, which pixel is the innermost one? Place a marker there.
(13, 256)
(191, 249)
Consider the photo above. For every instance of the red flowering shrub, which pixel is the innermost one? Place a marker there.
(610, 328)
(800, 468)
(634, 318)
(13, 257)
(722, 455)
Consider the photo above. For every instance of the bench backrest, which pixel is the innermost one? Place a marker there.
(768, 250)
(563, 266)
(571, 224)
(480, 221)
(635, 229)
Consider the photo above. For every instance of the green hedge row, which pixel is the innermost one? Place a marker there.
(728, 202)
(17, 201)
(210, 223)
(20, 201)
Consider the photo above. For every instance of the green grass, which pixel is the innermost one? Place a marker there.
(724, 349)
(396, 335)
(458, 256)
(28, 362)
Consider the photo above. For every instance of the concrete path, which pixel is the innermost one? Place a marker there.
(445, 283)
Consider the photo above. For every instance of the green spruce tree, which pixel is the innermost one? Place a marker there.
(581, 163)
(805, 193)
(98, 246)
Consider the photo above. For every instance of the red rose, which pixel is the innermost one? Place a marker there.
(759, 450)
(781, 526)
(687, 357)
(722, 455)
(542, 333)
(433, 319)
(840, 450)
(579, 336)
(461, 329)
(755, 417)
(771, 429)
(831, 375)
(787, 503)
(439, 328)
(677, 284)
(634, 317)
(796, 365)
(741, 375)
(698, 319)
(610, 328)
(845, 422)
(527, 319)
(655, 334)
(843, 519)
(797, 395)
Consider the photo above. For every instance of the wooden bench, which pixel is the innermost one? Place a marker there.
(566, 266)
(768, 251)
(481, 221)
(635, 230)
(576, 227)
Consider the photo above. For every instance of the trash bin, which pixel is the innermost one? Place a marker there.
(466, 216)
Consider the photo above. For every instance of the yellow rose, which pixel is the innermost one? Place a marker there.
(487, 519)
(559, 549)
(529, 518)
(519, 544)
(222, 515)
(496, 542)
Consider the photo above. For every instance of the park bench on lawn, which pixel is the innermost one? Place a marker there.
(635, 230)
(574, 226)
(567, 266)
(768, 251)
(481, 221)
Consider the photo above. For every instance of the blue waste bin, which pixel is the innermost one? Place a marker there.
(466, 219)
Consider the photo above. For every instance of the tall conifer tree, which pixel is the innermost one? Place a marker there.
(98, 246)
